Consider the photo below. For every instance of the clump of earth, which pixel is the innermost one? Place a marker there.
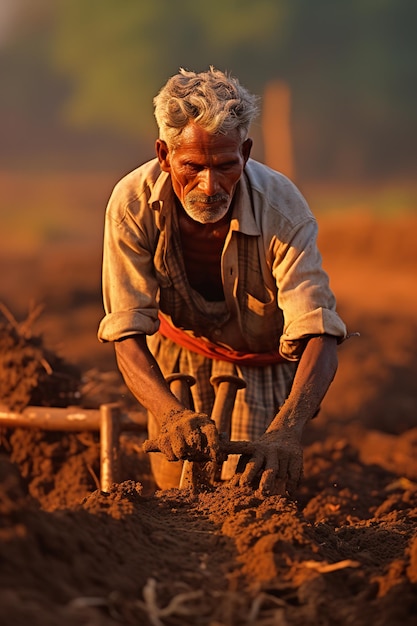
(31, 374)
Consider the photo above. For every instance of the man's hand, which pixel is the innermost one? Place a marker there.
(186, 435)
(277, 463)
(275, 467)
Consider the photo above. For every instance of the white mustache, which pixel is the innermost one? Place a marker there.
(203, 199)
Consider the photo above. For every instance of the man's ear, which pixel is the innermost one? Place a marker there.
(162, 152)
(246, 149)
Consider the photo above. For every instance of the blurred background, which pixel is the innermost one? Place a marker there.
(338, 88)
(78, 78)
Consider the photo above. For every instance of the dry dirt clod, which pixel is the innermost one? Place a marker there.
(30, 374)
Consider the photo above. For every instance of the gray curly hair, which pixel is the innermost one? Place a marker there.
(214, 100)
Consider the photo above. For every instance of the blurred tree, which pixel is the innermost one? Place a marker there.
(119, 55)
(354, 78)
(350, 67)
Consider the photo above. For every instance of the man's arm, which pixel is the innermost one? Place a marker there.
(144, 378)
(184, 433)
(315, 372)
(278, 461)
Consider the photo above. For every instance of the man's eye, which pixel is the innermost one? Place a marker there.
(227, 166)
(189, 167)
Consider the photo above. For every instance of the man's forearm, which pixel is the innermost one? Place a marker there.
(315, 372)
(144, 377)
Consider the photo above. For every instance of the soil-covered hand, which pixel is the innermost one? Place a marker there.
(186, 435)
(275, 467)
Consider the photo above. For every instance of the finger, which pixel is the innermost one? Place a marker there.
(273, 487)
(210, 441)
(191, 444)
(253, 466)
(150, 445)
(195, 444)
(240, 468)
(283, 466)
(267, 482)
(182, 443)
(241, 465)
(280, 487)
(295, 472)
(164, 444)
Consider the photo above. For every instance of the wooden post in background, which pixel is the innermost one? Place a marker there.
(276, 128)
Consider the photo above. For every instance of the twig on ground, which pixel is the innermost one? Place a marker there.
(93, 475)
(176, 606)
(258, 603)
(325, 568)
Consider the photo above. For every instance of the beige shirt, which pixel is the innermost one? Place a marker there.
(276, 292)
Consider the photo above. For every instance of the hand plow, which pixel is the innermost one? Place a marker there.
(201, 474)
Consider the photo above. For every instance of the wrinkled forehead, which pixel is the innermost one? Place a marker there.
(196, 139)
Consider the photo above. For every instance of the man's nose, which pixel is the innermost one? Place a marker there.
(208, 182)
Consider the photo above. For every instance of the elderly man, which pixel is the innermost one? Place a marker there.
(211, 267)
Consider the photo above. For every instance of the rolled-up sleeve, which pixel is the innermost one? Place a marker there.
(130, 288)
(304, 294)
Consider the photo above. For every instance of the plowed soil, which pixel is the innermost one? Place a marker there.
(343, 552)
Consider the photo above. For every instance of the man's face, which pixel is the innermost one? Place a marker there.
(205, 170)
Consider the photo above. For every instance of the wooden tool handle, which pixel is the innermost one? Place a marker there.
(226, 447)
(226, 388)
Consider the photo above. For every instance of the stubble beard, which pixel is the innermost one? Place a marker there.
(206, 209)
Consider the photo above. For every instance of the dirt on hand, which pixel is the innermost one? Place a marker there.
(343, 551)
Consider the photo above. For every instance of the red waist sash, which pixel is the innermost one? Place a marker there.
(213, 351)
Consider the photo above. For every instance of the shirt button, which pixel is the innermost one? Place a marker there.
(217, 332)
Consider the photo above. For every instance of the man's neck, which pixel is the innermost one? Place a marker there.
(202, 247)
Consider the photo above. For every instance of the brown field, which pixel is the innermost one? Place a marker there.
(343, 552)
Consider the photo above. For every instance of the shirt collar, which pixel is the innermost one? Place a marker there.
(243, 212)
(161, 193)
